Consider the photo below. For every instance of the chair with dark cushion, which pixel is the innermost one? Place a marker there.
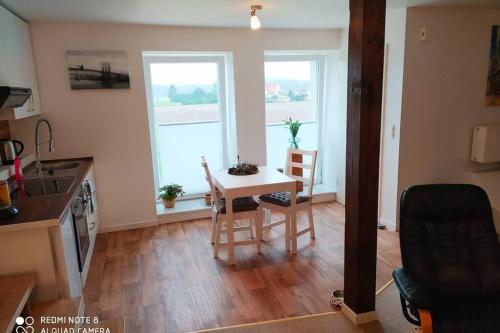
(244, 208)
(450, 280)
(281, 201)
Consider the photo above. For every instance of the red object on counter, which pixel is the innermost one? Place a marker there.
(19, 176)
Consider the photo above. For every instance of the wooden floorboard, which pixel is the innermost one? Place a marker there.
(164, 279)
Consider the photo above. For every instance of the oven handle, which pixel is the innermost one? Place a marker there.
(89, 193)
(79, 207)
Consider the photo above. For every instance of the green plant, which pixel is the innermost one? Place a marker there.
(170, 192)
(293, 127)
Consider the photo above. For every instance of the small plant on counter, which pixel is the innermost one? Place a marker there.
(168, 194)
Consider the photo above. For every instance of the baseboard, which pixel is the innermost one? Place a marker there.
(128, 226)
(194, 214)
(359, 318)
(324, 197)
(184, 216)
(389, 224)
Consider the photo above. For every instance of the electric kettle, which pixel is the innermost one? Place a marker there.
(9, 149)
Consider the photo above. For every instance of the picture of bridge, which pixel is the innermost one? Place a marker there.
(98, 69)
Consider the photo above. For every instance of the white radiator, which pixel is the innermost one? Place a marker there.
(486, 144)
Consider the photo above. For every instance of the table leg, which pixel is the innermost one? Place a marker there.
(258, 226)
(293, 219)
(230, 230)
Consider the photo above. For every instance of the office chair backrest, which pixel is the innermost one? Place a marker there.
(448, 239)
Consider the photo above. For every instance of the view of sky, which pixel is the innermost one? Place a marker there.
(184, 73)
(292, 70)
(206, 73)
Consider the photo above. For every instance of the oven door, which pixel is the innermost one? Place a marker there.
(81, 230)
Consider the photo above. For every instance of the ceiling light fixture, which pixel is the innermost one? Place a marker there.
(254, 20)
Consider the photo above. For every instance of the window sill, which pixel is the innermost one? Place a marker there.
(194, 209)
(184, 210)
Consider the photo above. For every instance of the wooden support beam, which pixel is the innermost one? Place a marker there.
(364, 104)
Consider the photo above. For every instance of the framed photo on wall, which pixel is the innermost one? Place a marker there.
(493, 86)
(98, 69)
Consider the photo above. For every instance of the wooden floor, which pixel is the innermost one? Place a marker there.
(164, 279)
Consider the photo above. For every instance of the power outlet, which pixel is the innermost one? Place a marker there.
(425, 34)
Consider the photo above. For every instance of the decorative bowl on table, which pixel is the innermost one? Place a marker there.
(243, 169)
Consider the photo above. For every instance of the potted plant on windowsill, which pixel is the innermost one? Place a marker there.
(168, 194)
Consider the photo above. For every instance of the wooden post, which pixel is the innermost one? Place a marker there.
(364, 104)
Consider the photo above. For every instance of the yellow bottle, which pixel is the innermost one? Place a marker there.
(6, 208)
(4, 195)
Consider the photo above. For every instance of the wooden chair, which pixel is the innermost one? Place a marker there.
(280, 201)
(244, 208)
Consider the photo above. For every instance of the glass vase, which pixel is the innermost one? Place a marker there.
(294, 142)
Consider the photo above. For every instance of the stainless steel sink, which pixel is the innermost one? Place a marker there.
(55, 166)
(44, 187)
(51, 170)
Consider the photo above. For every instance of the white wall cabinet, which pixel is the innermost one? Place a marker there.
(17, 64)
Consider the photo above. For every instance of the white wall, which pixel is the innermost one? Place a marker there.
(112, 126)
(336, 120)
(391, 116)
(444, 93)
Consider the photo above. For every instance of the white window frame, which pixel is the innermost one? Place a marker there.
(223, 61)
(320, 58)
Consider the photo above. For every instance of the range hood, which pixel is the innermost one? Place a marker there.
(12, 97)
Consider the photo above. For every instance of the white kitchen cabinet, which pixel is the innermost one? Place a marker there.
(67, 257)
(17, 64)
(49, 246)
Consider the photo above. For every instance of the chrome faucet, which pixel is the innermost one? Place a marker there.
(38, 144)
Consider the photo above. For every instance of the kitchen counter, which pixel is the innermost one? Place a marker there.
(43, 211)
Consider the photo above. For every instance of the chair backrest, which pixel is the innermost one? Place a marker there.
(448, 240)
(208, 177)
(290, 165)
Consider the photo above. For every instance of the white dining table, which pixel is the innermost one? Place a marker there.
(267, 180)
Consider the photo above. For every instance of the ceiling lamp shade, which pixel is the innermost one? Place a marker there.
(254, 20)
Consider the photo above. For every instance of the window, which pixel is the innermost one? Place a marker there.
(293, 89)
(187, 111)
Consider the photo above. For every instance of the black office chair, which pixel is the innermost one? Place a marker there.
(450, 280)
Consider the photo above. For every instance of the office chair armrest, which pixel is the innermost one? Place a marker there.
(411, 290)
